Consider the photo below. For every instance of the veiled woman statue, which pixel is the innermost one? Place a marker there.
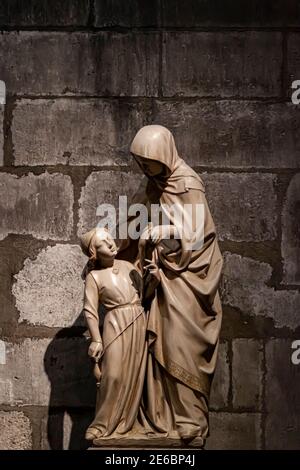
(184, 317)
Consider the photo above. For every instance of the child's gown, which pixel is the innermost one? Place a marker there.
(124, 356)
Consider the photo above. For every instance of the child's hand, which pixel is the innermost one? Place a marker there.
(95, 349)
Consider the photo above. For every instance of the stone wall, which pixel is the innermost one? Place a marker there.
(82, 76)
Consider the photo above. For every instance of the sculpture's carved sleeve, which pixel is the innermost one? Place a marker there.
(90, 307)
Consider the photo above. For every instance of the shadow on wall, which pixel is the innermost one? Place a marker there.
(73, 389)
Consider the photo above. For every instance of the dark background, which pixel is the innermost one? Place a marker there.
(82, 77)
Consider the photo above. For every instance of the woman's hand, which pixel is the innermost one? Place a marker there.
(151, 280)
(152, 269)
(95, 349)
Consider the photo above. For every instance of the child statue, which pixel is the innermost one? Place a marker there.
(120, 350)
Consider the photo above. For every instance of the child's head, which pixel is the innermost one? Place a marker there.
(99, 246)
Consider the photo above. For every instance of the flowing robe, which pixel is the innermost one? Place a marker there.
(184, 318)
(124, 348)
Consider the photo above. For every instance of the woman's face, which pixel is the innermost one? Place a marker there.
(105, 249)
(149, 167)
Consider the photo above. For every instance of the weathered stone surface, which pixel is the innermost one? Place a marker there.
(66, 429)
(13, 252)
(247, 372)
(282, 396)
(1, 133)
(229, 134)
(220, 386)
(15, 431)
(2, 352)
(230, 431)
(293, 60)
(41, 205)
(244, 286)
(105, 63)
(49, 289)
(222, 64)
(6, 395)
(193, 13)
(249, 202)
(290, 242)
(104, 187)
(75, 132)
(54, 372)
(2, 94)
(135, 13)
(44, 13)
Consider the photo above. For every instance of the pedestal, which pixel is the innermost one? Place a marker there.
(149, 443)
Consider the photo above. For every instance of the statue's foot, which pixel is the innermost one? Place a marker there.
(92, 433)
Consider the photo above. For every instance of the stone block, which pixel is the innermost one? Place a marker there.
(54, 372)
(234, 431)
(13, 252)
(15, 431)
(247, 373)
(49, 289)
(44, 13)
(75, 132)
(136, 13)
(197, 13)
(290, 241)
(245, 286)
(232, 134)
(221, 381)
(249, 202)
(1, 134)
(41, 206)
(293, 61)
(6, 395)
(104, 187)
(282, 396)
(58, 63)
(244, 64)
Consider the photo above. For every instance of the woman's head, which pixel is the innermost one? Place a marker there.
(154, 149)
(99, 245)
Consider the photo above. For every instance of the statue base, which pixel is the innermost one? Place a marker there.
(151, 443)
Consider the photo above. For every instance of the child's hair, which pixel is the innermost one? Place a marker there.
(87, 239)
(92, 251)
(86, 243)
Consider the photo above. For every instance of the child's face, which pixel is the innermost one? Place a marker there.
(106, 249)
